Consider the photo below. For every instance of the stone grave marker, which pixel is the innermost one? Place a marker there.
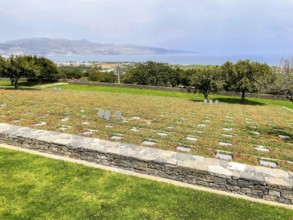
(205, 101)
(183, 149)
(217, 102)
(85, 123)
(42, 123)
(101, 113)
(149, 143)
(262, 148)
(223, 156)
(107, 115)
(201, 125)
(116, 137)
(136, 118)
(254, 132)
(227, 135)
(284, 136)
(109, 126)
(135, 129)
(162, 134)
(227, 129)
(268, 163)
(224, 144)
(118, 116)
(191, 138)
(64, 119)
(211, 102)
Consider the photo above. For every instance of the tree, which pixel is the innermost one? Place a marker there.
(45, 69)
(152, 73)
(245, 76)
(284, 75)
(20, 66)
(3, 66)
(206, 80)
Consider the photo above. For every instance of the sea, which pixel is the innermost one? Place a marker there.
(182, 59)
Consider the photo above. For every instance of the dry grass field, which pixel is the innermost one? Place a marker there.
(169, 122)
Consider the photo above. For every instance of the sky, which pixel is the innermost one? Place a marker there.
(203, 26)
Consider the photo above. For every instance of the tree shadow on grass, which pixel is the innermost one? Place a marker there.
(23, 86)
(232, 100)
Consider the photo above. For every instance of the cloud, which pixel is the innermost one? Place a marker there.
(203, 25)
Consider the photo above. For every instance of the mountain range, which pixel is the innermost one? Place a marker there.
(64, 47)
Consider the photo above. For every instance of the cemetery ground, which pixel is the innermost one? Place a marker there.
(260, 131)
(35, 187)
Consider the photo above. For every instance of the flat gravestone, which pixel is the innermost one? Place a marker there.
(191, 138)
(170, 127)
(82, 110)
(2, 105)
(118, 116)
(162, 134)
(197, 131)
(41, 124)
(136, 118)
(101, 113)
(85, 123)
(135, 129)
(227, 135)
(116, 138)
(183, 149)
(224, 144)
(201, 125)
(254, 132)
(109, 126)
(107, 115)
(268, 163)
(227, 129)
(88, 133)
(284, 136)
(149, 143)
(262, 148)
(64, 119)
(224, 156)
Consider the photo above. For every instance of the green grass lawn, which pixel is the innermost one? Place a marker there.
(34, 187)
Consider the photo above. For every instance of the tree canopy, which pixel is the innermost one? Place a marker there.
(244, 76)
(152, 73)
(206, 80)
(31, 67)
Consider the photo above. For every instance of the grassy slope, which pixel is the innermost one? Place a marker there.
(198, 97)
(33, 187)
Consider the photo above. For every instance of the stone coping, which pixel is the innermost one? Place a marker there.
(255, 181)
(187, 161)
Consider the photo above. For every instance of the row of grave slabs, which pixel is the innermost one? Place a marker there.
(221, 154)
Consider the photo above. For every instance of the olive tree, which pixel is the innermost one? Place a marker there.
(244, 76)
(284, 82)
(206, 80)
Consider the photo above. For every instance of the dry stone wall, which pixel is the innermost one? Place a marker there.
(254, 181)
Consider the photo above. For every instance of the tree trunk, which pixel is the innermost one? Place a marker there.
(12, 81)
(243, 97)
(16, 84)
(206, 95)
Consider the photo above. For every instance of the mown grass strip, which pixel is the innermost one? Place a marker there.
(33, 187)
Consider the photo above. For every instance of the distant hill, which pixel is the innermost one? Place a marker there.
(53, 47)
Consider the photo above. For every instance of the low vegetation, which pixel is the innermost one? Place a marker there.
(33, 187)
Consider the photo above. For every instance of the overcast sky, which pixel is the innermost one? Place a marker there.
(205, 26)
